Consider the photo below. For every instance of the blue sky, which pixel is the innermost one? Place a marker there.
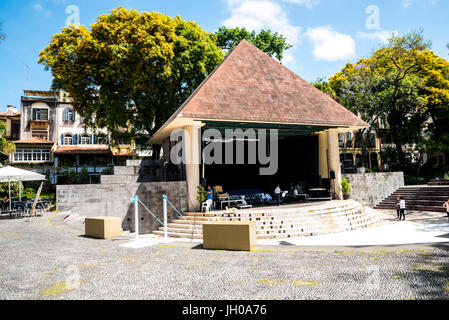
(326, 34)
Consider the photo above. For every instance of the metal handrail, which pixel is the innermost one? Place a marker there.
(135, 200)
(179, 213)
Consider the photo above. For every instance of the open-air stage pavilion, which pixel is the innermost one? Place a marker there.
(251, 90)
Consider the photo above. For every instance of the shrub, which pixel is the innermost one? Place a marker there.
(202, 194)
(345, 187)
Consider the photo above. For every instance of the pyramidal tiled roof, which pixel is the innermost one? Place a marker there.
(251, 86)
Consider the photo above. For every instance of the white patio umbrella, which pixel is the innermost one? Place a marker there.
(10, 174)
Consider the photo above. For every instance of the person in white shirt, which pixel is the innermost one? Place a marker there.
(277, 193)
(446, 205)
(402, 208)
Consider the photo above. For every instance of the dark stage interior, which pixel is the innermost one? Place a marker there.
(298, 163)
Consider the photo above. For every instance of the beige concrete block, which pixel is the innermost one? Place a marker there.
(103, 227)
(239, 236)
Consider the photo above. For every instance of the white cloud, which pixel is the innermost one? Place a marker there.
(39, 8)
(407, 3)
(261, 14)
(307, 3)
(381, 35)
(331, 45)
(424, 3)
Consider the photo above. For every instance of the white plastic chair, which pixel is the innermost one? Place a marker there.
(206, 205)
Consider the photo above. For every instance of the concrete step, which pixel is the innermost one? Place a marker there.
(431, 203)
(120, 179)
(199, 214)
(442, 198)
(414, 208)
(189, 222)
(181, 230)
(184, 226)
(177, 235)
(126, 170)
(199, 219)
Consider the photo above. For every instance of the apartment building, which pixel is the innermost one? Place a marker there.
(53, 138)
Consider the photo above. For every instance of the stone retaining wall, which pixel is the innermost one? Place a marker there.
(114, 200)
(373, 188)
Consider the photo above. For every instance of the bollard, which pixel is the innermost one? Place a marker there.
(136, 217)
(165, 218)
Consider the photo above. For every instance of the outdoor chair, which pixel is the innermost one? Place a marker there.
(206, 205)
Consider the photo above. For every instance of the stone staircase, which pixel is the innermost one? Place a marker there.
(420, 198)
(283, 222)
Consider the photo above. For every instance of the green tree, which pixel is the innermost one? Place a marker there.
(434, 89)
(6, 146)
(132, 70)
(386, 86)
(323, 85)
(274, 44)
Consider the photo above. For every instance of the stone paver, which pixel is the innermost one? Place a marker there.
(49, 259)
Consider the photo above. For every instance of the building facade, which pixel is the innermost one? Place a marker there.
(352, 147)
(53, 138)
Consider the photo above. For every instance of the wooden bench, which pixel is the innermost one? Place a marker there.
(103, 227)
(221, 235)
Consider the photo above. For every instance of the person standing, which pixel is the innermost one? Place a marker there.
(210, 196)
(398, 207)
(277, 193)
(446, 205)
(402, 206)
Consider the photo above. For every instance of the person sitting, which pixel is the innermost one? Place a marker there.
(277, 193)
(5, 203)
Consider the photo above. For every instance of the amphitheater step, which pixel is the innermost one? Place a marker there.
(178, 235)
(284, 222)
(419, 198)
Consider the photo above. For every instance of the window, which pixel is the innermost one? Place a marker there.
(341, 140)
(68, 139)
(69, 115)
(371, 140)
(40, 134)
(85, 140)
(32, 155)
(349, 140)
(40, 114)
(102, 140)
(123, 141)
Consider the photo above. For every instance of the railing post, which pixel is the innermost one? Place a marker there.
(136, 217)
(165, 218)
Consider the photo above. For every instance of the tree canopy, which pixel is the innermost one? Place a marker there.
(402, 84)
(5, 146)
(274, 44)
(132, 69)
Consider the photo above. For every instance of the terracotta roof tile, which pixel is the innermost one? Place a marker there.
(34, 141)
(251, 86)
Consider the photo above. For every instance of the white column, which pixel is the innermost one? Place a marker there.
(192, 158)
(322, 147)
(334, 161)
